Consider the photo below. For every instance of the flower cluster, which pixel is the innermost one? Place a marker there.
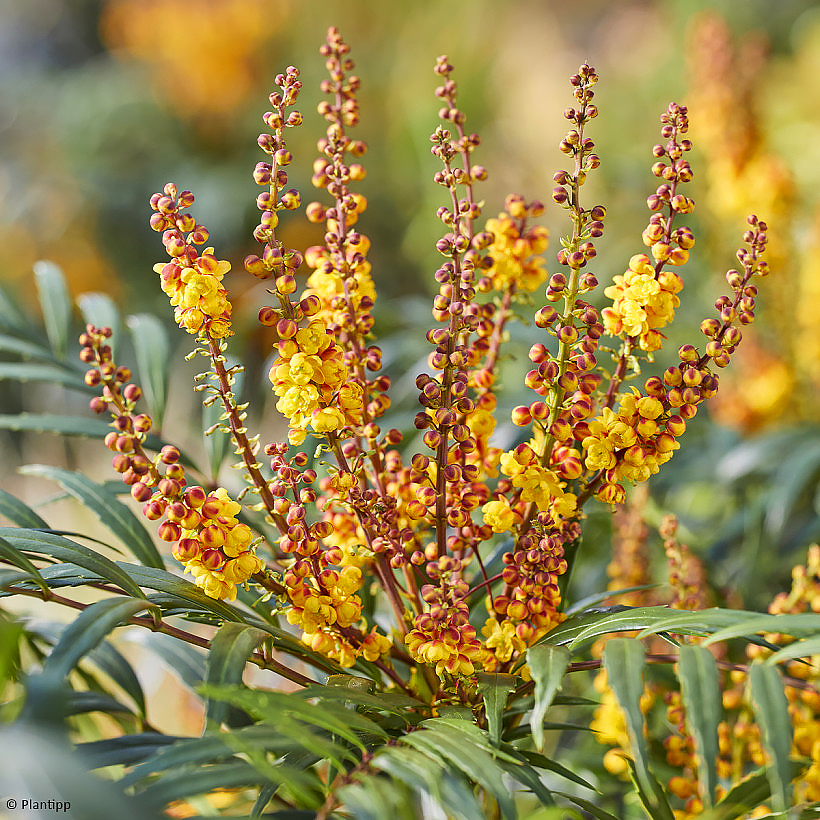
(192, 281)
(424, 529)
(644, 298)
(214, 546)
(443, 636)
(310, 379)
(516, 249)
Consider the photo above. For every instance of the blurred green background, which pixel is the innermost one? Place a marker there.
(101, 103)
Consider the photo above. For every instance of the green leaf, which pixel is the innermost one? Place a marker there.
(34, 372)
(624, 663)
(542, 762)
(305, 786)
(741, 798)
(547, 665)
(12, 317)
(19, 560)
(153, 355)
(791, 480)
(34, 758)
(798, 649)
(598, 597)
(118, 518)
(771, 710)
(586, 627)
(125, 750)
(651, 795)
(69, 551)
(701, 622)
(99, 309)
(447, 743)
(88, 629)
(553, 813)
(186, 783)
(269, 706)
(181, 588)
(110, 661)
(803, 623)
(55, 304)
(495, 689)
(700, 688)
(88, 427)
(26, 349)
(589, 807)
(230, 648)
(19, 513)
(186, 661)
(11, 633)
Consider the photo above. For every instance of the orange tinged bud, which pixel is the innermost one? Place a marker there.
(521, 416)
(169, 531)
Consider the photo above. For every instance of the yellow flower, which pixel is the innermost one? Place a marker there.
(498, 515)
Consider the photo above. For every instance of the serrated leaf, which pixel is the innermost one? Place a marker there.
(376, 798)
(547, 664)
(771, 710)
(153, 353)
(624, 662)
(700, 688)
(69, 551)
(230, 648)
(100, 310)
(19, 513)
(88, 629)
(116, 517)
(55, 304)
(52, 374)
(495, 689)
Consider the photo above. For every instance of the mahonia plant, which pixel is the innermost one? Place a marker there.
(415, 525)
